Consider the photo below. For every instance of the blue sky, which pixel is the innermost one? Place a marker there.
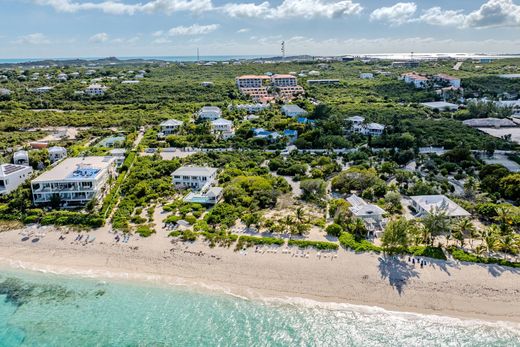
(93, 28)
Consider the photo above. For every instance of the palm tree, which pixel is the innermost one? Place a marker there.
(504, 220)
(462, 229)
(490, 236)
(300, 215)
(435, 224)
(358, 229)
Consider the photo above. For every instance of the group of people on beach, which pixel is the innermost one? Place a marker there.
(421, 262)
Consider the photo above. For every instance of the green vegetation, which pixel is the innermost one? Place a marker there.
(245, 241)
(321, 245)
(461, 255)
(348, 240)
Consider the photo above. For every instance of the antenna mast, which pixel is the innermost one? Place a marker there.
(283, 50)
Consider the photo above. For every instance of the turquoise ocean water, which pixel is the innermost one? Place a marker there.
(49, 310)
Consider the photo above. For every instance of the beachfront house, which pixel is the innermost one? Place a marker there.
(21, 158)
(371, 215)
(194, 177)
(427, 204)
(75, 181)
(57, 153)
(201, 182)
(223, 128)
(170, 126)
(12, 176)
(209, 113)
(293, 111)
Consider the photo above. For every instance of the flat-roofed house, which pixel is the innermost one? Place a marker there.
(280, 80)
(427, 204)
(419, 82)
(75, 180)
(57, 153)
(366, 76)
(170, 126)
(251, 81)
(194, 177)
(210, 113)
(12, 176)
(293, 111)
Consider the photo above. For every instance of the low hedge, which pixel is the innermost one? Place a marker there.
(347, 240)
(250, 241)
(461, 255)
(72, 218)
(321, 245)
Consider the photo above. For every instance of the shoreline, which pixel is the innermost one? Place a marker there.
(446, 289)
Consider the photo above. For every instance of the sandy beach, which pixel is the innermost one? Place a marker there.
(486, 292)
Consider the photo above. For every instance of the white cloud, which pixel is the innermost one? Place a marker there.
(33, 39)
(248, 9)
(119, 8)
(194, 29)
(398, 14)
(437, 16)
(99, 38)
(494, 13)
(243, 30)
(294, 8)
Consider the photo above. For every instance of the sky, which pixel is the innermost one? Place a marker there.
(125, 28)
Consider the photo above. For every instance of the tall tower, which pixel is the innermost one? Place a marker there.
(198, 55)
(283, 50)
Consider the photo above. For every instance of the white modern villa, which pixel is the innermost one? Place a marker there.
(75, 180)
(95, 89)
(194, 177)
(21, 157)
(201, 181)
(427, 204)
(57, 153)
(12, 176)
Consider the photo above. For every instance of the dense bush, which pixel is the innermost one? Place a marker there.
(347, 240)
(461, 255)
(321, 245)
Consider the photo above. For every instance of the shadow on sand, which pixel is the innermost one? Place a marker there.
(398, 272)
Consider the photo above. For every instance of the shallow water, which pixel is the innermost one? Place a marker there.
(52, 310)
